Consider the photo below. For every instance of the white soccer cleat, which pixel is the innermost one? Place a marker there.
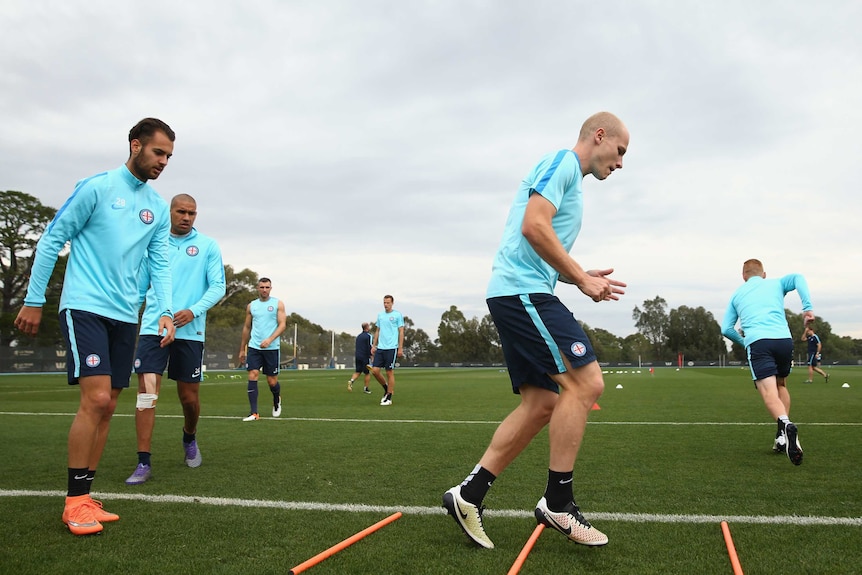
(467, 516)
(570, 523)
(276, 409)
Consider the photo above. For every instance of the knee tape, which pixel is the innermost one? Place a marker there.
(147, 401)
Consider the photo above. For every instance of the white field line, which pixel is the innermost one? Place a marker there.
(418, 510)
(442, 421)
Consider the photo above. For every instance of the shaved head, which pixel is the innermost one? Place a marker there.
(612, 126)
(182, 198)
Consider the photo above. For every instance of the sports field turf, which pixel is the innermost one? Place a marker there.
(665, 459)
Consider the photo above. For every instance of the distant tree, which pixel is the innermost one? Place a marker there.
(607, 346)
(695, 333)
(652, 323)
(226, 318)
(637, 347)
(467, 340)
(23, 218)
(418, 347)
(491, 340)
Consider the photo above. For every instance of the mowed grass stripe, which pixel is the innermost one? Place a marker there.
(420, 510)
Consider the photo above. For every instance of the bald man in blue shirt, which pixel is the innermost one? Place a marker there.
(758, 305)
(198, 284)
(551, 364)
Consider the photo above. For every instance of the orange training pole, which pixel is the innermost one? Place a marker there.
(344, 544)
(731, 550)
(519, 561)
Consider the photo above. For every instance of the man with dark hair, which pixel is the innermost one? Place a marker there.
(387, 347)
(115, 222)
(265, 321)
(144, 131)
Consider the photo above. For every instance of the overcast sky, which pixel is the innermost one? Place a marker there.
(352, 149)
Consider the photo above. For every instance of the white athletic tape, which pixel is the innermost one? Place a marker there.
(146, 401)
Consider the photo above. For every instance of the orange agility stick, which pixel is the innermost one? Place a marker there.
(344, 544)
(731, 550)
(519, 561)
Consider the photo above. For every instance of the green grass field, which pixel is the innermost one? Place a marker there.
(666, 458)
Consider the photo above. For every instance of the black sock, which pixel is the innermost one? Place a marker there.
(144, 457)
(475, 487)
(188, 437)
(276, 394)
(78, 484)
(558, 493)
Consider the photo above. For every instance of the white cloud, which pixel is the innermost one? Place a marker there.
(350, 150)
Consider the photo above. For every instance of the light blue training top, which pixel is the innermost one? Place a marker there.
(517, 268)
(387, 329)
(114, 221)
(758, 304)
(264, 321)
(198, 279)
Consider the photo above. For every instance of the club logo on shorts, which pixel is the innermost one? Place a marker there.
(137, 362)
(93, 360)
(579, 349)
(192, 251)
(146, 216)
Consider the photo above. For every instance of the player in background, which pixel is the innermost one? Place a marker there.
(388, 345)
(260, 348)
(814, 349)
(197, 274)
(758, 305)
(363, 357)
(550, 361)
(115, 221)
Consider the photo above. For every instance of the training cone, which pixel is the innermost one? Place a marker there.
(596, 407)
(846, 384)
(619, 386)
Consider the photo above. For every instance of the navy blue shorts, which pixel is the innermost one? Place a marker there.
(812, 359)
(362, 365)
(183, 358)
(768, 357)
(264, 360)
(385, 358)
(98, 345)
(536, 332)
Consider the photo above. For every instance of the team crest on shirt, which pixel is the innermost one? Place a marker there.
(579, 349)
(93, 360)
(269, 308)
(192, 251)
(147, 216)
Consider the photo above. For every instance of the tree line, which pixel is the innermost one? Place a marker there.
(661, 334)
